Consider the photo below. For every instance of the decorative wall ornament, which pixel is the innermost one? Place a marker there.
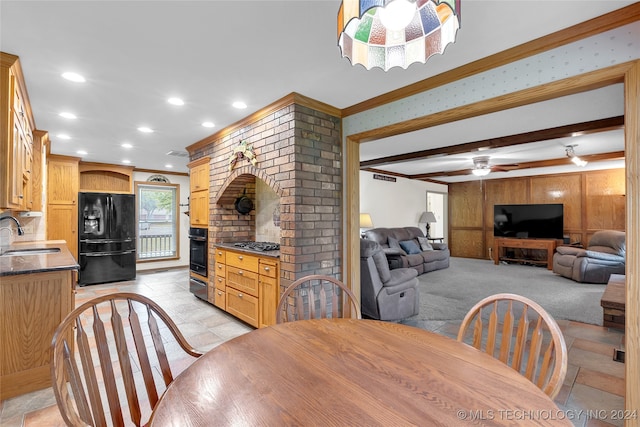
(242, 151)
(158, 178)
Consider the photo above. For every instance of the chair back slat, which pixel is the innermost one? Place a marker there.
(107, 369)
(521, 340)
(535, 336)
(86, 360)
(492, 330)
(316, 296)
(83, 396)
(161, 354)
(534, 351)
(143, 356)
(507, 333)
(125, 364)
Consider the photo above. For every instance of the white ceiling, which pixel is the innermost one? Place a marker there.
(136, 54)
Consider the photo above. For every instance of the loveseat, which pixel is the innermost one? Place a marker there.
(407, 247)
(604, 256)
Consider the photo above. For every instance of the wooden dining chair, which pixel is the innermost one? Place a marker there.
(538, 350)
(316, 297)
(113, 352)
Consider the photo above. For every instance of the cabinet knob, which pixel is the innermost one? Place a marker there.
(240, 257)
(240, 272)
(240, 295)
(267, 269)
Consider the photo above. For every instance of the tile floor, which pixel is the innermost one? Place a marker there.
(594, 382)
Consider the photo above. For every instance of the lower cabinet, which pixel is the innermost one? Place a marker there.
(246, 286)
(33, 305)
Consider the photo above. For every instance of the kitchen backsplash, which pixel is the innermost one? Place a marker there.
(267, 203)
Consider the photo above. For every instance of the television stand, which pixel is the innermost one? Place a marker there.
(505, 242)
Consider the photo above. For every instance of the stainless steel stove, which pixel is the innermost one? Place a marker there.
(258, 246)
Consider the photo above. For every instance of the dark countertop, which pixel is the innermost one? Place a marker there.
(266, 254)
(37, 263)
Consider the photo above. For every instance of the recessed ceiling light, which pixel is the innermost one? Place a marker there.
(67, 115)
(168, 166)
(63, 136)
(239, 104)
(81, 152)
(125, 161)
(74, 77)
(126, 145)
(145, 129)
(175, 101)
(208, 124)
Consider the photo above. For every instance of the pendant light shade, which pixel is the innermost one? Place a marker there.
(396, 33)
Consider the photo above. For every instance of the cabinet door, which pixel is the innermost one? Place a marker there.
(62, 181)
(268, 300)
(243, 306)
(199, 210)
(62, 224)
(199, 177)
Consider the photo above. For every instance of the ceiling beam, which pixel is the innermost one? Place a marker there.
(576, 129)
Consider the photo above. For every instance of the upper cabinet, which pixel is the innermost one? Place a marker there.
(16, 144)
(199, 195)
(106, 178)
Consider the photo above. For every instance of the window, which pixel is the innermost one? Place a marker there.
(157, 218)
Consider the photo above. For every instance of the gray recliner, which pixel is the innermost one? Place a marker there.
(386, 294)
(604, 256)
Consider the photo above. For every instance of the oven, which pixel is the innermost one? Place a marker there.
(198, 251)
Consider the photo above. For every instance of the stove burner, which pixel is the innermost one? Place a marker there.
(258, 246)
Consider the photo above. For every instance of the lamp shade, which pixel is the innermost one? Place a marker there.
(396, 33)
(365, 221)
(427, 217)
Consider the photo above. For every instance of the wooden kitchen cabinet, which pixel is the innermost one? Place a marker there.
(199, 192)
(62, 200)
(33, 307)
(246, 286)
(16, 146)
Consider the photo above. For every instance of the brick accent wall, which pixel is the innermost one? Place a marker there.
(299, 156)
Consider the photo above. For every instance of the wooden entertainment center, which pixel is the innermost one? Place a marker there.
(505, 242)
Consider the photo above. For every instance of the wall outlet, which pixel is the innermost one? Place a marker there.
(28, 229)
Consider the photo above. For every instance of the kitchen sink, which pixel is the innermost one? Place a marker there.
(29, 251)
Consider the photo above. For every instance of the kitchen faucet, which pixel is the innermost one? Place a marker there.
(20, 231)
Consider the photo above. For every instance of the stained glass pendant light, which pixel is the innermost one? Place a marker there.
(396, 33)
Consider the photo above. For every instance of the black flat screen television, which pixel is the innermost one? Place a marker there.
(536, 221)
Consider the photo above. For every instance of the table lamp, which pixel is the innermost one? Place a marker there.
(426, 218)
(365, 223)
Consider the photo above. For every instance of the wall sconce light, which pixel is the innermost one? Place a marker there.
(572, 155)
(395, 33)
(426, 218)
(365, 223)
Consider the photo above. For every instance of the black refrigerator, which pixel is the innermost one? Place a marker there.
(106, 238)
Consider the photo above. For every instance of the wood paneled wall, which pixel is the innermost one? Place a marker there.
(593, 201)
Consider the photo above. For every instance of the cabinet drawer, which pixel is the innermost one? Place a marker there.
(219, 298)
(243, 306)
(221, 270)
(220, 282)
(242, 280)
(269, 269)
(244, 261)
(220, 256)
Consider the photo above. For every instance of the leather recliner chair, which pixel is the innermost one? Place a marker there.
(604, 256)
(386, 294)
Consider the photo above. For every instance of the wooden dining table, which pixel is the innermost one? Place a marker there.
(349, 372)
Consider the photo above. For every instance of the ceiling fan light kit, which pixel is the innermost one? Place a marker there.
(481, 166)
(395, 33)
(575, 159)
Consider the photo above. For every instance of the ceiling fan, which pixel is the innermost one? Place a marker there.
(481, 166)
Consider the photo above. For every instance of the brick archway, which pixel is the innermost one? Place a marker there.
(238, 179)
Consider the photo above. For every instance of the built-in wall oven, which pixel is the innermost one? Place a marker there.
(198, 261)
